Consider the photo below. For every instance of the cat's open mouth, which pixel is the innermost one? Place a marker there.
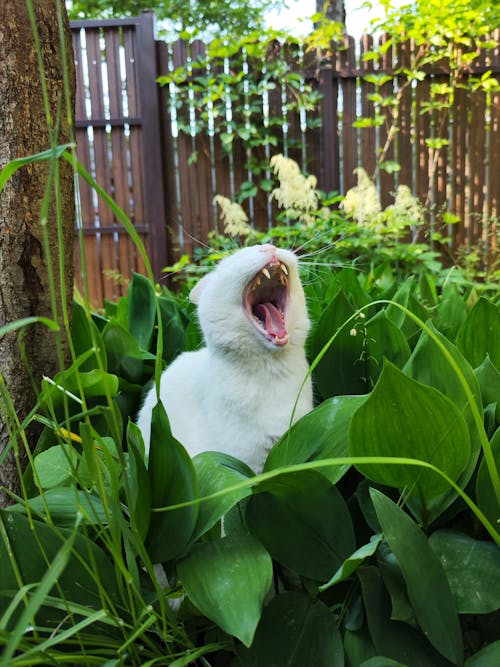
(265, 301)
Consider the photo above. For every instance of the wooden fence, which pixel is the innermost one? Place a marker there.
(128, 139)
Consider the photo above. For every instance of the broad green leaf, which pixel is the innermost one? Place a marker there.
(479, 335)
(351, 564)
(429, 365)
(403, 418)
(402, 296)
(27, 546)
(486, 657)
(339, 371)
(85, 336)
(62, 504)
(452, 312)
(228, 580)
(217, 471)
(488, 377)
(141, 310)
(485, 493)
(295, 631)
(55, 466)
(472, 568)
(304, 523)
(349, 283)
(138, 481)
(383, 340)
(401, 609)
(321, 434)
(175, 324)
(125, 358)
(173, 480)
(398, 641)
(425, 578)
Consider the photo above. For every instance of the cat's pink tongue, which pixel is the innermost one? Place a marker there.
(272, 319)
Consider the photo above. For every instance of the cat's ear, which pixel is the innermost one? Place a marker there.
(195, 293)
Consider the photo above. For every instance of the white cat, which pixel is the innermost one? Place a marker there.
(237, 394)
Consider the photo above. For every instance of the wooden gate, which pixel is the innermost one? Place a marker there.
(117, 129)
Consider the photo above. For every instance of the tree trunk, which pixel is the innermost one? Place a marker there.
(24, 286)
(333, 9)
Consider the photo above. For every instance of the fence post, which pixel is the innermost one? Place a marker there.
(151, 145)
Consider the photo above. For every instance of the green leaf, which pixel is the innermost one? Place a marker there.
(175, 324)
(85, 334)
(485, 494)
(384, 340)
(173, 480)
(228, 579)
(321, 434)
(27, 546)
(12, 166)
(489, 382)
(429, 365)
(138, 478)
(339, 371)
(452, 312)
(217, 471)
(295, 631)
(424, 577)
(304, 523)
(403, 418)
(351, 564)
(486, 657)
(472, 568)
(141, 310)
(125, 357)
(55, 466)
(393, 639)
(479, 335)
(61, 505)
(380, 661)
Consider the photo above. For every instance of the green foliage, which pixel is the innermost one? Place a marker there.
(228, 17)
(342, 556)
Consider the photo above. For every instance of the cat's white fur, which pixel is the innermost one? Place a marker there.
(236, 395)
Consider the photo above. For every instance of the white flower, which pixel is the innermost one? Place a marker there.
(233, 217)
(362, 202)
(295, 192)
(407, 206)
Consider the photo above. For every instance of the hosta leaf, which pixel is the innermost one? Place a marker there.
(217, 471)
(479, 335)
(351, 564)
(424, 576)
(62, 504)
(139, 486)
(29, 545)
(337, 372)
(403, 418)
(429, 365)
(228, 579)
(393, 639)
(384, 339)
(486, 657)
(304, 523)
(321, 434)
(488, 377)
(472, 568)
(452, 312)
(84, 334)
(295, 631)
(55, 466)
(173, 481)
(141, 310)
(485, 493)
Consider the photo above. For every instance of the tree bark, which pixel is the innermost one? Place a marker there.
(24, 285)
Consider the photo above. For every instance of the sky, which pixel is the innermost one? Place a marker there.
(357, 17)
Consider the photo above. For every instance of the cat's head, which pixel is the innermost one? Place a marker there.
(253, 301)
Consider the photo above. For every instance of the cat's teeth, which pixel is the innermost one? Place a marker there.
(266, 273)
(284, 269)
